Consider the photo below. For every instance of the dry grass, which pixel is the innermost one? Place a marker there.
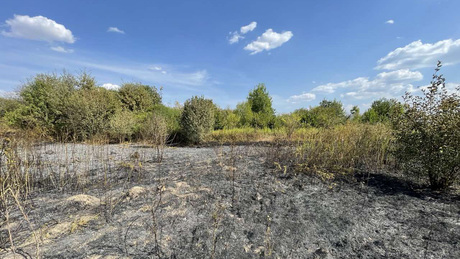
(341, 150)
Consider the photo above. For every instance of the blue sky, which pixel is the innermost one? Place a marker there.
(304, 51)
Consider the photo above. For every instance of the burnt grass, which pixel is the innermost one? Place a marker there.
(224, 202)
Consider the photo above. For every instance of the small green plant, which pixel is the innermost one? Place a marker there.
(428, 134)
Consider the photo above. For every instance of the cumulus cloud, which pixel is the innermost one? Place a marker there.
(115, 29)
(305, 97)
(390, 22)
(37, 28)
(268, 40)
(62, 49)
(110, 86)
(236, 36)
(420, 55)
(385, 84)
(248, 28)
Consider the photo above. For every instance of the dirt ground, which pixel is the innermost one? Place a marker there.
(117, 201)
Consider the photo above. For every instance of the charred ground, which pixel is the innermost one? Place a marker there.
(116, 201)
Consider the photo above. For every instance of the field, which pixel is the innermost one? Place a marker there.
(120, 201)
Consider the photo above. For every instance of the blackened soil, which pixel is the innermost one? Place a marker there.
(223, 202)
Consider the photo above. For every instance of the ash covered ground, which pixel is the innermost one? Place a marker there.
(118, 201)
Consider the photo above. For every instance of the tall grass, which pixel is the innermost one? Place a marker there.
(341, 150)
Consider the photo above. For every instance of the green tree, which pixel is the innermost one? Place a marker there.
(226, 119)
(261, 106)
(327, 114)
(8, 105)
(197, 119)
(245, 114)
(382, 110)
(138, 97)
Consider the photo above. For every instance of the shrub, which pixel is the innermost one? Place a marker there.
(172, 116)
(138, 97)
(245, 114)
(8, 105)
(197, 119)
(428, 134)
(122, 125)
(45, 98)
(154, 130)
(290, 123)
(326, 115)
(89, 113)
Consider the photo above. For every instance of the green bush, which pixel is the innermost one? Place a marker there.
(197, 119)
(172, 116)
(45, 98)
(245, 114)
(8, 105)
(122, 125)
(326, 115)
(428, 134)
(382, 111)
(89, 113)
(155, 130)
(138, 97)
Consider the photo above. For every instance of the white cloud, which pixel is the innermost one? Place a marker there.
(420, 55)
(156, 68)
(110, 86)
(268, 40)
(235, 36)
(385, 84)
(144, 72)
(248, 28)
(390, 22)
(62, 49)
(37, 28)
(305, 97)
(115, 29)
(399, 76)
